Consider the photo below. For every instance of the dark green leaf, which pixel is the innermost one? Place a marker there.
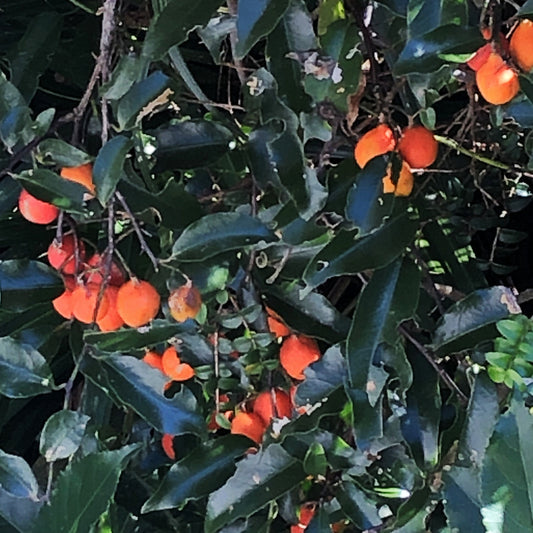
(357, 506)
(16, 477)
(190, 144)
(141, 387)
(18, 512)
(468, 321)
(258, 479)
(425, 15)
(62, 435)
(122, 78)
(346, 254)
(200, 473)
(82, 493)
(24, 284)
(10, 97)
(255, 20)
(24, 372)
(108, 166)
(217, 233)
(526, 9)
(213, 35)
(61, 153)
(172, 25)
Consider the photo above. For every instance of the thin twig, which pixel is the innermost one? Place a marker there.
(239, 67)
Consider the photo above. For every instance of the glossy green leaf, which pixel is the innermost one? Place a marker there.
(61, 153)
(122, 78)
(52, 188)
(16, 477)
(173, 23)
(357, 506)
(62, 435)
(18, 513)
(258, 479)
(24, 372)
(217, 233)
(315, 461)
(347, 254)
(471, 320)
(141, 387)
(33, 52)
(425, 15)
(200, 473)
(191, 144)
(255, 20)
(527, 9)
(10, 97)
(82, 492)
(24, 284)
(108, 166)
(214, 34)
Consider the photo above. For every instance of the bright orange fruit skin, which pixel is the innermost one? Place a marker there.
(184, 302)
(111, 321)
(95, 272)
(137, 302)
(62, 256)
(173, 367)
(82, 174)
(521, 47)
(418, 147)
(404, 185)
(297, 352)
(167, 443)
(84, 300)
(249, 424)
(35, 210)
(267, 409)
(63, 304)
(497, 82)
(377, 141)
(153, 359)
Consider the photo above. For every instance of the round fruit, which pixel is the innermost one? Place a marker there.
(137, 302)
(404, 185)
(296, 353)
(167, 443)
(497, 82)
(153, 359)
(111, 321)
(275, 324)
(249, 424)
(480, 57)
(63, 304)
(82, 174)
(418, 147)
(62, 255)
(84, 302)
(174, 368)
(35, 210)
(521, 47)
(184, 302)
(273, 404)
(377, 141)
(96, 268)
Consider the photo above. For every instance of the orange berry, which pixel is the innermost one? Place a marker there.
(94, 272)
(497, 82)
(62, 256)
(111, 321)
(173, 367)
(377, 141)
(522, 44)
(480, 57)
(273, 404)
(63, 304)
(35, 210)
(184, 302)
(307, 511)
(275, 324)
(167, 443)
(404, 185)
(153, 359)
(137, 302)
(249, 424)
(84, 301)
(297, 352)
(82, 174)
(418, 147)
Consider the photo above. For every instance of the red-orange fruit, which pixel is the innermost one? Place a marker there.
(96, 268)
(273, 404)
(63, 304)
(35, 210)
(307, 511)
(275, 324)
(377, 141)
(404, 185)
(521, 47)
(111, 321)
(249, 424)
(174, 368)
(480, 57)
(297, 352)
(153, 359)
(62, 255)
(497, 82)
(167, 443)
(184, 302)
(82, 174)
(84, 302)
(137, 302)
(418, 147)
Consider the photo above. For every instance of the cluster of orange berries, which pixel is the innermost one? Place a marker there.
(417, 146)
(496, 80)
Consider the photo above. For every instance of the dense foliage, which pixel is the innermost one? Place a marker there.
(222, 140)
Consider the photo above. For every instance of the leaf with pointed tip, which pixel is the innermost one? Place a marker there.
(61, 153)
(62, 435)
